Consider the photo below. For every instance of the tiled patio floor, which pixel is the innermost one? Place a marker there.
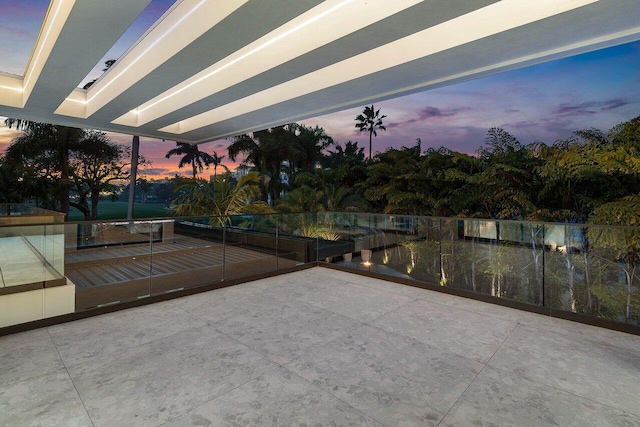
(320, 347)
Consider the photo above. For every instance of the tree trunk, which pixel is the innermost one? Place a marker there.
(84, 208)
(370, 143)
(95, 198)
(536, 259)
(630, 273)
(135, 148)
(587, 281)
(473, 272)
(572, 293)
(65, 183)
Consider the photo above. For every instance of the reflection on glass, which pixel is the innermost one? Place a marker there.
(592, 270)
(294, 248)
(251, 246)
(111, 261)
(190, 253)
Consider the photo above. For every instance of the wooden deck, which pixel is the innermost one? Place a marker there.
(118, 273)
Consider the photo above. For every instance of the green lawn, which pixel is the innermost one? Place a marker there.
(118, 210)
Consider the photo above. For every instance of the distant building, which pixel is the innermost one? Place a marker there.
(240, 171)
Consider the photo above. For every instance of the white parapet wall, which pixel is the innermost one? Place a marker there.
(22, 307)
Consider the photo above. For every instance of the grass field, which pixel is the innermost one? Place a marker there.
(118, 210)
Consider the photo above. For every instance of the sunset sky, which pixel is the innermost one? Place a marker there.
(540, 103)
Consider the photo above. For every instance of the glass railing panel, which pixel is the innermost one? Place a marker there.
(361, 220)
(449, 246)
(567, 267)
(592, 270)
(417, 252)
(392, 241)
(519, 265)
(361, 233)
(251, 246)
(502, 259)
(188, 253)
(332, 232)
(111, 261)
(55, 248)
(297, 241)
(21, 255)
(337, 236)
(471, 257)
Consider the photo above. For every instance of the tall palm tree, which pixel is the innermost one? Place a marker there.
(217, 160)
(370, 121)
(191, 155)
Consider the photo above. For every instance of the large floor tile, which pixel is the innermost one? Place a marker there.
(469, 334)
(475, 306)
(103, 337)
(294, 286)
(497, 398)
(277, 398)
(382, 285)
(288, 331)
(27, 355)
(283, 288)
(358, 302)
(575, 330)
(597, 371)
(47, 400)
(215, 306)
(396, 380)
(166, 378)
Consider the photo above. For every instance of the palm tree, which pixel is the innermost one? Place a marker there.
(220, 198)
(266, 150)
(310, 143)
(302, 199)
(191, 155)
(369, 121)
(217, 160)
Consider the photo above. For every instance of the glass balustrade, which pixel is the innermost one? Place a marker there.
(578, 268)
